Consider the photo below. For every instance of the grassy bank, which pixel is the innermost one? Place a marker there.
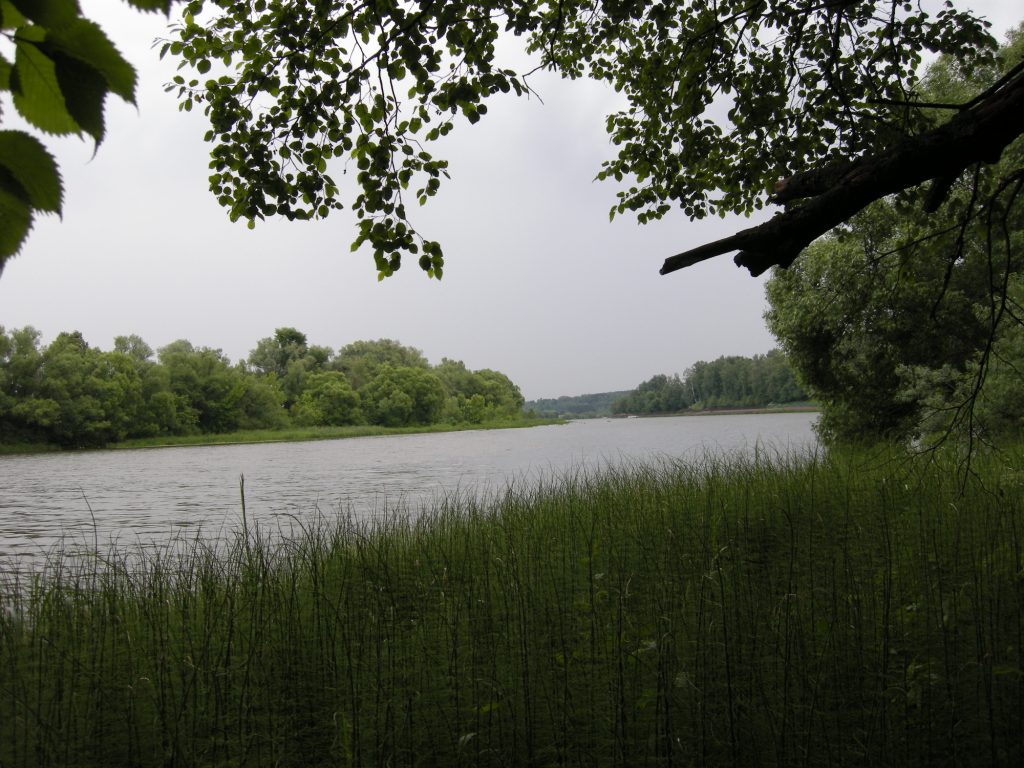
(855, 610)
(290, 434)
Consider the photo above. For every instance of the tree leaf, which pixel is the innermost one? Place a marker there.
(11, 186)
(85, 41)
(85, 91)
(15, 222)
(33, 168)
(36, 92)
(151, 5)
(10, 17)
(5, 74)
(49, 13)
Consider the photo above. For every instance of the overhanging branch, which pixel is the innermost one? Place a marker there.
(838, 190)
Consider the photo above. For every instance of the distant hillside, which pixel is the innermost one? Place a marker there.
(579, 407)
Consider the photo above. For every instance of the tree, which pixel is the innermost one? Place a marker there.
(20, 360)
(502, 397)
(821, 94)
(212, 394)
(84, 397)
(361, 360)
(164, 412)
(728, 382)
(895, 323)
(398, 397)
(20, 363)
(274, 353)
(288, 358)
(327, 400)
(261, 403)
(64, 66)
(659, 394)
(879, 351)
(74, 395)
(589, 406)
(134, 347)
(476, 396)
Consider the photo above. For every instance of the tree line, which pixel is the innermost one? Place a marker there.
(728, 382)
(589, 406)
(72, 394)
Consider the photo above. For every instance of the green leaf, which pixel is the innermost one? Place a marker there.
(36, 92)
(151, 5)
(49, 13)
(5, 74)
(86, 42)
(15, 222)
(34, 169)
(10, 17)
(84, 91)
(11, 186)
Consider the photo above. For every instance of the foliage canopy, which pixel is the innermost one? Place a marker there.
(901, 322)
(728, 382)
(74, 395)
(729, 105)
(723, 99)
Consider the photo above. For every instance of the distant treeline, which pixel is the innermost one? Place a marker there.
(728, 382)
(575, 407)
(74, 395)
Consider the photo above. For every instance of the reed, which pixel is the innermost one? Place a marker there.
(827, 610)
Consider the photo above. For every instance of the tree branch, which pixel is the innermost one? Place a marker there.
(840, 189)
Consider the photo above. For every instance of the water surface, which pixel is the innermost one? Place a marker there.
(149, 495)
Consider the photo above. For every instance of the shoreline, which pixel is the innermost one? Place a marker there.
(753, 411)
(288, 435)
(310, 434)
(721, 412)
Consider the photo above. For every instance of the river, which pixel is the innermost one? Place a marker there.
(67, 501)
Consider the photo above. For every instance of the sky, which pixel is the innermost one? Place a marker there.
(538, 283)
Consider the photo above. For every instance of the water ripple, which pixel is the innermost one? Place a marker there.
(83, 500)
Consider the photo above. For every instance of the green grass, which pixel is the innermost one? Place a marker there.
(12, 449)
(845, 610)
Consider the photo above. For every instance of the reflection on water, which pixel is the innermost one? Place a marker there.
(149, 496)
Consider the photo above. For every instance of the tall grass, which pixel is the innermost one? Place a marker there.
(829, 611)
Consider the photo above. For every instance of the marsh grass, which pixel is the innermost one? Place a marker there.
(842, 610)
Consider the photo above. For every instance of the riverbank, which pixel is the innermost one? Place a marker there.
(793, 408)
(807, 407)
(843, 609)
(289, 435)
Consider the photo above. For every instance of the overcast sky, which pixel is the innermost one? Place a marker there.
(538, 284)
